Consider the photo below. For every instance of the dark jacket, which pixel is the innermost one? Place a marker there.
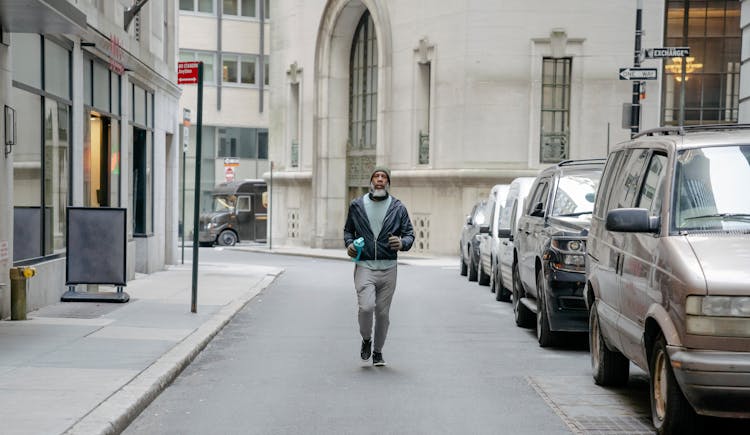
(396, 222)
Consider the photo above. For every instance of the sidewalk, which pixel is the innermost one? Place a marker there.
(90, 368)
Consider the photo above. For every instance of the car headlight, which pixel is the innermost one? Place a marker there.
(726, 316)
(567, 255)
(210, 225)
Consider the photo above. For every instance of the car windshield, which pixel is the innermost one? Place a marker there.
(575, 193)
(224, 203)
(709, 189)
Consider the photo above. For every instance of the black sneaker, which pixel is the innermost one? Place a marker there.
(377, 359)
(366, 350)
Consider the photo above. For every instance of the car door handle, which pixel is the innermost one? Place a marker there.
(505, 243)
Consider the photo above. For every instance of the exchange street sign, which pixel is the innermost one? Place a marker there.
(634, 73)
(658, 53)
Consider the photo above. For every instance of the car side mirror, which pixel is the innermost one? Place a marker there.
(503, 233)
(484, 229)
(538, 210)
(632, 220)
(468, 220)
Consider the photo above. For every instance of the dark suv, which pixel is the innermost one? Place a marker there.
(550, 243)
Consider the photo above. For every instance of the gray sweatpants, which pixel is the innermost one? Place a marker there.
(375, 290)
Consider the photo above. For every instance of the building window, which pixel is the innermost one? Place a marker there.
(41, 156)
(363, 86)
(712, 31)
(244, 143)
(244, 8)
(555, 125)
(208, 59)
(239, 69)
(423, 112)
(204, 6)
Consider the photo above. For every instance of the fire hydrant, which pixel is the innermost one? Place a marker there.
(18, 278)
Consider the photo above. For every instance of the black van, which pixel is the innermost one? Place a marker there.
(239, 212)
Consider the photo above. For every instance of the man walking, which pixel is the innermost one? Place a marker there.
(383, 222)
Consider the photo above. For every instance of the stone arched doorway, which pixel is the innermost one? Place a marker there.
(339, 161)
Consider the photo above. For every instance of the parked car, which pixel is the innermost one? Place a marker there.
(668, 278)
(550, 245)
(502, 272)
(488, 244)
(469, 243)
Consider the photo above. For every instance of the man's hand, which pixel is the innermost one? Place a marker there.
(395, 243)
(351, 250)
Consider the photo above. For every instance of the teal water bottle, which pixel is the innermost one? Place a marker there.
(359, 244)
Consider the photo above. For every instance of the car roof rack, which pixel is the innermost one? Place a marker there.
(580, 162)
(666, 131)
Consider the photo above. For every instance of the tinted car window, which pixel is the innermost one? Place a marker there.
(610, 170)
(540, 195)
(628, 180)
(575, 193)
(709, 189)
(653, 186)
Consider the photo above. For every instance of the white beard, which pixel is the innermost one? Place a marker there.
(378, 193)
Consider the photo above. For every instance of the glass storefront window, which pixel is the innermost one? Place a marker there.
(101, 87)
(87, 82)
(56, 69)
(56, 149)
(115, 94)
(27, 176)
(142, 176)
(27, 62)
(139, 105)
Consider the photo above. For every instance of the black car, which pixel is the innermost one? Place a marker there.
(470, 238)
(549, 273)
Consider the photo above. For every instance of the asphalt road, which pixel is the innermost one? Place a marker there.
(289, 364)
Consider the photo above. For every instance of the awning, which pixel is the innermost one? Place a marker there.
(41, 16)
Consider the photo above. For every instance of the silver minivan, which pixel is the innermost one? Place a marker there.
(668, 282)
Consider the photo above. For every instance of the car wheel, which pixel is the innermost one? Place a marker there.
(484, 279)
(227, 238)
(544, 335)
(670, 411)
(472, 269)
(464, 268)
(610, 368)
(523, 316)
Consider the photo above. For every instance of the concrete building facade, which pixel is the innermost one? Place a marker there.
(230, 37)
(91, 118)
(458, 96)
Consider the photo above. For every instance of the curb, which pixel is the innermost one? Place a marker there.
(116, 412)
(293, 254)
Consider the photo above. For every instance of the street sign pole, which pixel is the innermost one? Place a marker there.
(197, 197)
(635, 114)
(184, 153)
(683, 74)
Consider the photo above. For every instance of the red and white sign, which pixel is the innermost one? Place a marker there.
(187, 73)
(229, 173)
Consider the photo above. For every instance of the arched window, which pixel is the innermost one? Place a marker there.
(363, 86)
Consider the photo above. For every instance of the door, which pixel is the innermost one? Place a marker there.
(96, 163)
(260, 217)
(639, 264)
(245, 218)
(530, 231)
(626, 187)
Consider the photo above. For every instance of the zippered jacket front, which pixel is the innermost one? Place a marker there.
(396, 222)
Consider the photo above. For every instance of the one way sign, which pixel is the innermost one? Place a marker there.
(634, 73)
